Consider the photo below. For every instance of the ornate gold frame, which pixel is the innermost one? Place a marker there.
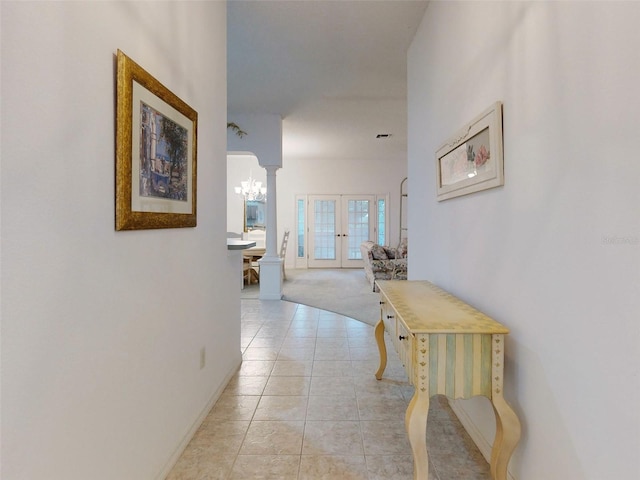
(163, 214)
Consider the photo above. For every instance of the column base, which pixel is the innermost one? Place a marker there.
(270, 278)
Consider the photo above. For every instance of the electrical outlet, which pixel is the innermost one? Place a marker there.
(203, 357)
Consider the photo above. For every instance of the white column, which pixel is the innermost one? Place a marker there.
(271, 263)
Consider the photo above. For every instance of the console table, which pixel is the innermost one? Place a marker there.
(448, 348)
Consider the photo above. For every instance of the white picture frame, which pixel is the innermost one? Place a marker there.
(472, 160)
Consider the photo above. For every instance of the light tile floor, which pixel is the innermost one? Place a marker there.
(305, 405)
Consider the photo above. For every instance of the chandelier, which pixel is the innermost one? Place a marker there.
(252, 190)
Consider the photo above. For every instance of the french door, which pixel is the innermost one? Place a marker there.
(338, 224)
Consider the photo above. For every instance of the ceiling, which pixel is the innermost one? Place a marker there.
(334, 70)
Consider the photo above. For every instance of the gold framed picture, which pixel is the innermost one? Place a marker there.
(156, 153)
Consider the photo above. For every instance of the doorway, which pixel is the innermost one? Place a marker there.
(337, 225)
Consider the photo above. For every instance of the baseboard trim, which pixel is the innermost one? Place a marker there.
(196, 424)
(474, 432)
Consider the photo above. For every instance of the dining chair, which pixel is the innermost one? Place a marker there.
(283, 251)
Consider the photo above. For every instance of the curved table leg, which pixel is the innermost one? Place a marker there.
(415, 421)
(379, 332)
(507, 437)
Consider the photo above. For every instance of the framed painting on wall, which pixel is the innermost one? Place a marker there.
(156, 140)
(472, 160)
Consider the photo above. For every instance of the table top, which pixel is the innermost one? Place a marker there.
(237, 244)
(426, 308)
(254, 252)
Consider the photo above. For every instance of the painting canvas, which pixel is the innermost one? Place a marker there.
(163, 156)
(468, 160)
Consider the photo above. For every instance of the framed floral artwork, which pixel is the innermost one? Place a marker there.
(156, 139)
(472, 160)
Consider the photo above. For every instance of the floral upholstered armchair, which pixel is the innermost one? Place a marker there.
(383, 262)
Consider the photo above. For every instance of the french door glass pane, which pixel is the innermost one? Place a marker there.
(324, 219)
(358, 227)
(382, 234)
(301, 224)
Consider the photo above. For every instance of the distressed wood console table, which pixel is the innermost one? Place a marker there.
(447, 348)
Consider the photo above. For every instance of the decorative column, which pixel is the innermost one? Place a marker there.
(271, 263)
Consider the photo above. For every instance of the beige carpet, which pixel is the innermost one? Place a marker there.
(343, 291)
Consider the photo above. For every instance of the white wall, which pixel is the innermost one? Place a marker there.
(102, 330)
(555, 253)
(263, 137)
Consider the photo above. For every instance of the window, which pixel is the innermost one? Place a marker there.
(358, 225)
(324, 218)
(382, 221)
(301, 225)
